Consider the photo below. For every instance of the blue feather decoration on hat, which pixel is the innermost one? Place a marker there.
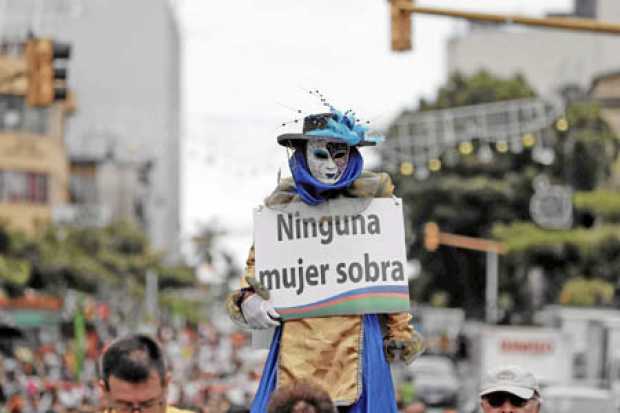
(344, 127)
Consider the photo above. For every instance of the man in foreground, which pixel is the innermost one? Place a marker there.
(510, 389)
(133, 377)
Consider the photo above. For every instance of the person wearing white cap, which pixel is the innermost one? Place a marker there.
(510, 389)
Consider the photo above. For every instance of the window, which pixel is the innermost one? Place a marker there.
(16, 116)
(23, 187)
(83, 189)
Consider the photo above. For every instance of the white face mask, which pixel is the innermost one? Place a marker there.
(327, 160)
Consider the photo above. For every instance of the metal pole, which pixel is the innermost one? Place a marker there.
(587, 25)
(152, 296)
(491, 287)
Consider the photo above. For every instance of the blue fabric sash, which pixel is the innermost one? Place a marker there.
(269, 378)
(311, 190)
(377, 386)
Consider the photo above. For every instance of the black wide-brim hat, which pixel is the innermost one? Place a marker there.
(318, 126)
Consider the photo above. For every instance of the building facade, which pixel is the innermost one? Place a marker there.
(606, 91)
(125, 74)
(34, 169)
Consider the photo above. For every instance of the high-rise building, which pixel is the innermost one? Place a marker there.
(125, 76)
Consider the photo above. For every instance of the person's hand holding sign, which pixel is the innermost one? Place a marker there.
(259, 313)
(405, 349)
(257, 308)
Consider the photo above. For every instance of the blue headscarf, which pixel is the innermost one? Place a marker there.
(311, 190)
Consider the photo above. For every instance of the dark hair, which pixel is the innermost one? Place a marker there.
(132, 359)
(300, 146)
(301, 397)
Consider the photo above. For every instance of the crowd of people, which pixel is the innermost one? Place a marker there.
(211, 367)
(213, 370)
(205, 372)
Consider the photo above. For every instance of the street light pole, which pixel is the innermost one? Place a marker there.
(433, 238)
(566, 23)
(401, 10)
(491, 287)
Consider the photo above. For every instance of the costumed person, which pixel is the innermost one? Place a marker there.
(346, 355)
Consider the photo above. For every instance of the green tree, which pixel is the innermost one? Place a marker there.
(583, 292)
(481, 87)
(478, 198)
(84, 259)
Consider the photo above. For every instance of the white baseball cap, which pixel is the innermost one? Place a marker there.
(511, 379)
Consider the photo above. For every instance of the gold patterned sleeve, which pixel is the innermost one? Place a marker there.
(398, 326)
(234, 299)
(402, 341)
(249, 267)
(386, 187)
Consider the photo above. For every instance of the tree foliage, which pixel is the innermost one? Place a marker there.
(474, 197)
(62, 257)
(584, 292)
(482, 87)
(603, 203)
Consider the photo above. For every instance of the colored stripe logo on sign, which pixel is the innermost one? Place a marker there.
(378, 299)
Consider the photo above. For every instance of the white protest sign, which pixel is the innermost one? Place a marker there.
(345, 256)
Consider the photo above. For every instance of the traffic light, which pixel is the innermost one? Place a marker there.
(47, 72)
(401, 25)
(431, 236)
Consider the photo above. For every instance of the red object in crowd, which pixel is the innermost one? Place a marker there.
(103, 311)
(33, 301)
